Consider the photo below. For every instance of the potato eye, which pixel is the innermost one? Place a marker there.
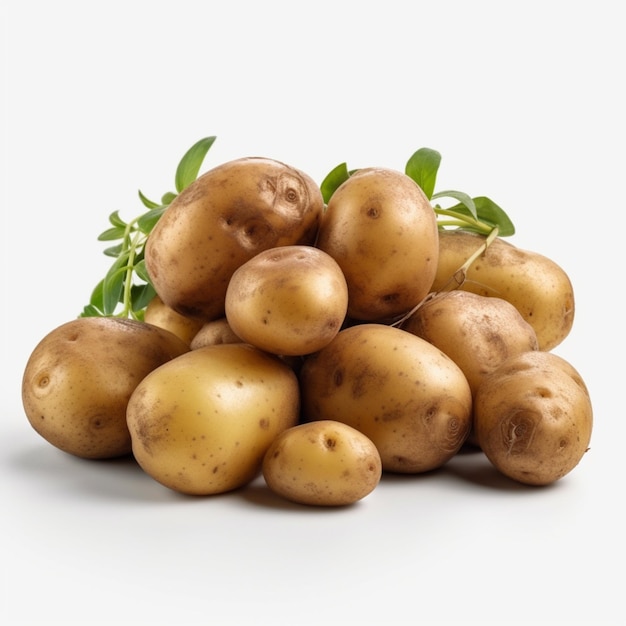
(291, 195)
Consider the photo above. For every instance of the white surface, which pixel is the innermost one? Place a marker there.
(525, 103)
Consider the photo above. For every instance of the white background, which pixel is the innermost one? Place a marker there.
(525, 102)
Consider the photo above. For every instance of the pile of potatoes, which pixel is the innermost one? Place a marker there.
(320, 345)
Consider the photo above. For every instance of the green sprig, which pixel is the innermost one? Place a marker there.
(126, 289)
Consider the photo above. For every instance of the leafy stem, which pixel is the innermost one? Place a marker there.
(126, 289)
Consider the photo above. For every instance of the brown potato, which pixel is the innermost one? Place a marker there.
(79, 378)
(221, 220)
(533, 418)
(322, 463)
(201, 424)
(402, 392)
(476, 332)
(537, 286)
(213, 333)
(159, 314)
(290, 300)
(382, 230)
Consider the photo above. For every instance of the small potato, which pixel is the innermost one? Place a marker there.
(537, 286)
(322, 463)
(159, 314)
(533, 418)
(476, 332)
(214, 332)
(382, 230)
(201, 424)
(222, 219)
(400, 391)
(79, 378)
(290, 300)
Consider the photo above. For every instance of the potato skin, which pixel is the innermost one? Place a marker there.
(159, 314)
(214, 332)
(322, 463)
(533, 418)
(402, 392)
(478, 333)
(201, 424)
(290, 300)
(221, 220)
(79, 378)
(382, 230)
(537, 286)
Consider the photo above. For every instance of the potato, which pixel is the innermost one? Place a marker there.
(290, 300)
(476, 332)
(214, 332)
(533, 418)
(201, 424)
(400, 391)
(80, 376)
(537, 286)
(322, 463)
(221, 220)
(382, 230)
(163, 316)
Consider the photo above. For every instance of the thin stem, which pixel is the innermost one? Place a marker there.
(456, 280)
(131, 244)
(460, 219)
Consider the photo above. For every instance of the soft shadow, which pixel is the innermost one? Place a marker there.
(111, 479)
(260, 495)
(470, 465)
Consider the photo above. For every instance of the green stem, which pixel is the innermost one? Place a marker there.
(460, 219)
(132, 243)
(456, 280)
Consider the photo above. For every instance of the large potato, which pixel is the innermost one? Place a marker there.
(382, 230)
(79, 378)
(476, 332)
(221, 220)
(402, 392)
(202, 423)
(537, 286)
(322, 463)
(290, 300)
(533, 417)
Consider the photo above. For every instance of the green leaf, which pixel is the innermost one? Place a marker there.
(489, 211)
(141, 296)
(168, 198)
(96, 300)
(141, 271)
(114, 251)
(111, 234)
(461, 197)
(148, 220)
(189, 166)
(91, 311)
(333, 180)
(149, 204)
(422, 167)
(113, 284)
(116, 220)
